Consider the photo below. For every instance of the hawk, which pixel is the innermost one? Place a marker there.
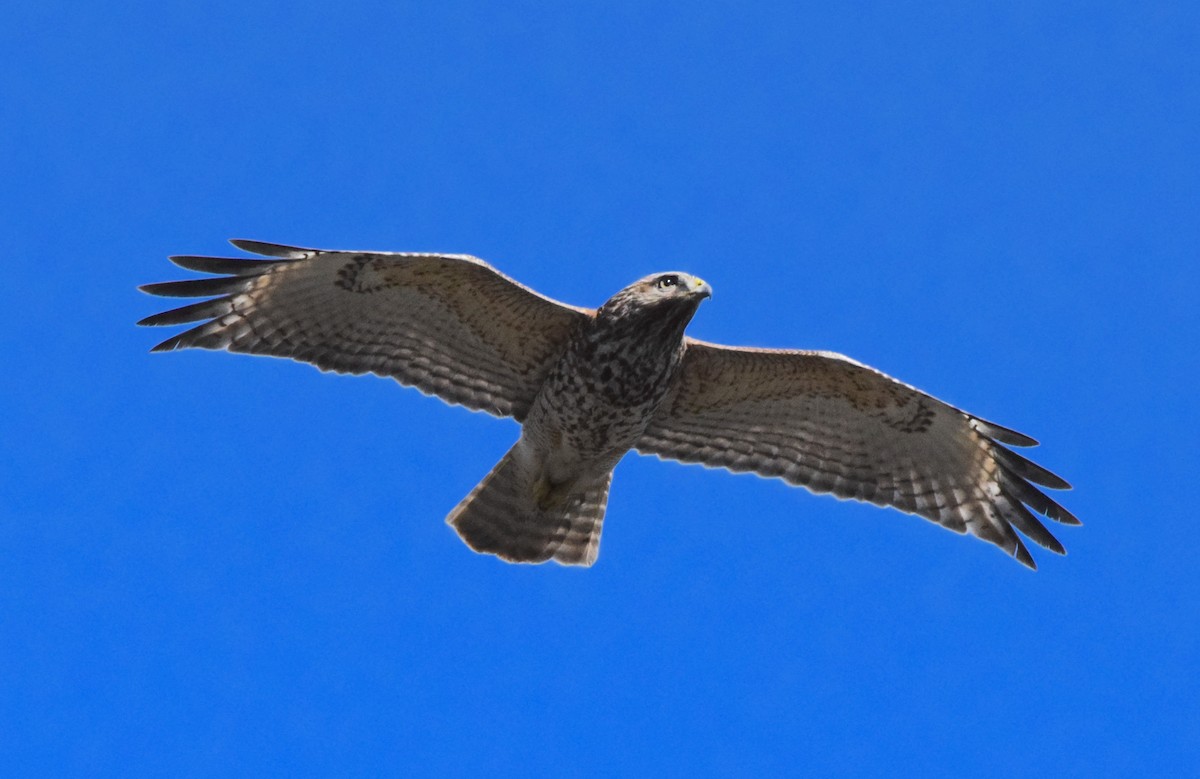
(589, 385)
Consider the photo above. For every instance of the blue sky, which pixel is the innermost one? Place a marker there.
(215, 564)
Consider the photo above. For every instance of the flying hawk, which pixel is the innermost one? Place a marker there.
(589, 385)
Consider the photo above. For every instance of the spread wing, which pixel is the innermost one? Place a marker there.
(449, 325)
(827, 423)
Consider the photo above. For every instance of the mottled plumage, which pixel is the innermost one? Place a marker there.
(588, 386)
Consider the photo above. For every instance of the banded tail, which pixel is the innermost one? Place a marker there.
(504, 516)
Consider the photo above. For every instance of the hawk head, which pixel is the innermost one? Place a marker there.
(671, 297)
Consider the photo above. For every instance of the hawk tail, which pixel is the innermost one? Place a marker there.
(509, 516)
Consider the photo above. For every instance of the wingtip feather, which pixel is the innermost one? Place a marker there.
(271, 249)
(1022, 556)
(197, 288)
(222, 265)
(1027, 523)
(1002, 434)
(169, 345)
(1027, 469)
(205, 309)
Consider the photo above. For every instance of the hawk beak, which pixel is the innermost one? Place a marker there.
(700, 288)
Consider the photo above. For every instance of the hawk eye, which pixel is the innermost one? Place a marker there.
(667, 281)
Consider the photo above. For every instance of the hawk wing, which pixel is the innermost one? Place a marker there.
(449, 325)
(830, 424)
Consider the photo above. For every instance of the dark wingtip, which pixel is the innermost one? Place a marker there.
(1021, 490)
(205, 309)
(221, 265)
(197, 288)
(204, 336)
(1023, 520)
(1056, 547)
(1027, 469)
(169, 345)
(1023, 557)
(271, 249)
(1005, 435)
(1052, 480)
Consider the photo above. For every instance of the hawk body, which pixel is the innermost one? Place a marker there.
(616, 369)
(594, 406)
(588, 386)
